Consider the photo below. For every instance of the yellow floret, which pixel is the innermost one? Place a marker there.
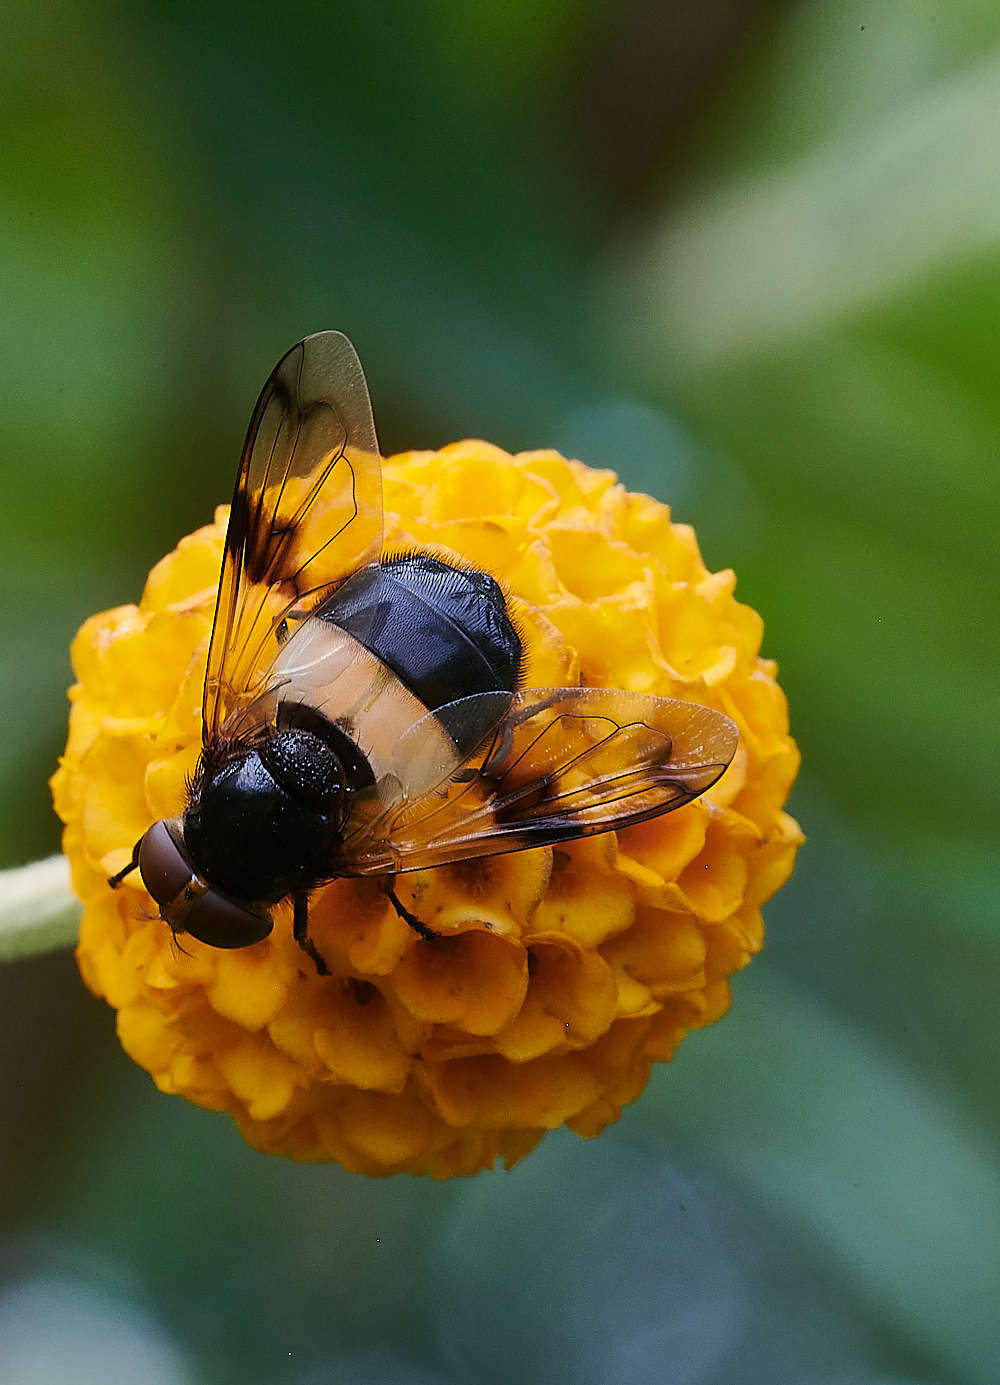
(562, 973)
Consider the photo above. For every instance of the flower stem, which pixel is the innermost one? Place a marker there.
(38, 909)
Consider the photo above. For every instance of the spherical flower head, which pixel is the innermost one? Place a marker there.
(560, 973)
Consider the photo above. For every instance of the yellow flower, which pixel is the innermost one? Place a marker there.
(562, 973)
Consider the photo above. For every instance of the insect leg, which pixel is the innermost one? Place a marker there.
(300, 929)
(115, 880)
(426, 933)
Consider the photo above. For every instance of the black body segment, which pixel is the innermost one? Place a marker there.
(354, 767)
(443, 630)
(266, 823)
(301, 765)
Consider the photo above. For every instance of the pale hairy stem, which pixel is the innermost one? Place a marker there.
(38, 909)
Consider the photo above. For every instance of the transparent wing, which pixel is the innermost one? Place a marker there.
(564, 763)
(307, 511)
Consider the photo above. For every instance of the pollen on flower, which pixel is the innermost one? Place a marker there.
(561, 973)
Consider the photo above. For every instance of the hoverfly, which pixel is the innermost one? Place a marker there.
(363, 713)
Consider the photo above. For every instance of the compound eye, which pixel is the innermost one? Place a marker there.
(220, 922)
(212, 918)
(163, 869)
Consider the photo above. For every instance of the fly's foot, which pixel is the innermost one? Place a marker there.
(300, 930)
(426, 933)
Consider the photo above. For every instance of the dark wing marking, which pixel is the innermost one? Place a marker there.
(307, 511)
(564, 763)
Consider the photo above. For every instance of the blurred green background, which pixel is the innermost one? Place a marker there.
(746, 253)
